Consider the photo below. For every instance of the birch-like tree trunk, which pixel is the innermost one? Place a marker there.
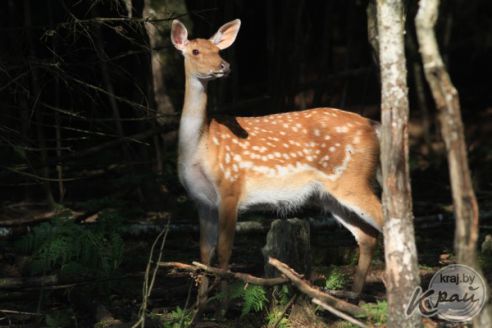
(449, 112)
(163, 104)
(399, 240)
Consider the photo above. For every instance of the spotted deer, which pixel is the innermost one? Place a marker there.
(281, 160)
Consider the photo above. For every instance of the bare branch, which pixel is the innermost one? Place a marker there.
(313, 292)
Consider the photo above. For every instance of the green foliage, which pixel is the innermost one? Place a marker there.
(254, 299)
(69, 248)
(284, 295)
(376, 312)
(274, 315)
(253, 296)
(345, 324)
(336, 279)
(60, 319)
(178, 318)
(485, 261)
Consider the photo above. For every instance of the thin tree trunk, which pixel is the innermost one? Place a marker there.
(156, 91)
(372, 30)
(35, 94)
(108, 84)
(163, 104)
(399, 240)
(115, 108)
(420, 89)
(449, 112)
(58, 135)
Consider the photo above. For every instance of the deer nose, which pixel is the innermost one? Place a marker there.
(225, 67)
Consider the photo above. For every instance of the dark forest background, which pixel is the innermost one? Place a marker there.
(91, 91)
(77, 75)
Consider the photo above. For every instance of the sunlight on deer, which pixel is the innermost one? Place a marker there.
(281, 161)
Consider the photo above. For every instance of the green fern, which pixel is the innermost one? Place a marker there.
(253, 296)
(178, 318)
(254, 299)
(336, 280)
(69, 248)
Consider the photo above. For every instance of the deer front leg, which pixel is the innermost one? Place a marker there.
(208, 242)
(227, 229)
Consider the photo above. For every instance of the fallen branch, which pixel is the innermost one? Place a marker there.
(227, 274)
(338, 313)
(14, 312)
(52, 282)
(313, 292)
(16, 283)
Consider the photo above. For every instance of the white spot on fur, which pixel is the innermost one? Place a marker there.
(341, 129)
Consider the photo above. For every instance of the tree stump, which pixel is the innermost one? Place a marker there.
(289, 242)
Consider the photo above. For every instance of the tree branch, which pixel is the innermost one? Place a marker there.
(313, 292)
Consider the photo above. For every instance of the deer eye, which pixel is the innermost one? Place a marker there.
(195, 52)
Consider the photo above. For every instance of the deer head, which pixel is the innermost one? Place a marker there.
(202, 58)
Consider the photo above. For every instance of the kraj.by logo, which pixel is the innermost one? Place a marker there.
(456, 293)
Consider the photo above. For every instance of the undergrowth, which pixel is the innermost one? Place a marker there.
(336, 280)
(70, 249)
(254, 297)
(376, 312)
(178, 318)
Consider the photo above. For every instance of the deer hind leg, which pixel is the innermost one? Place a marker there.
(361, 214)
(209, 222)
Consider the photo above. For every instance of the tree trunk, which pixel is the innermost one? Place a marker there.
(449, 112)
(163, 104)
(420, 90)
(36, 94)
(399, 240)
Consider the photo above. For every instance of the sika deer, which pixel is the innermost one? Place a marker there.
(280, 160)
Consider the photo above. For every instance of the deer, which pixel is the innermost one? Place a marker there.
(282, 161)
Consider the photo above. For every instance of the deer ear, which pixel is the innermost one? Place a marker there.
(179, 35)
(226, 35)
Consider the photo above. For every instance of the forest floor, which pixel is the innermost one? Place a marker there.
(62, 294)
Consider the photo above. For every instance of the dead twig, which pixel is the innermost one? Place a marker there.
(338, 313)
(227, 274)
(287, 307)
(313, 292)
(148, 285)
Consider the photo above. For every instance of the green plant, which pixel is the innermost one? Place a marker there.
(336, 279)
(68, 248)
(274, 315)
(376, 312)
(178, 318)
(283, 294)
(253, 297)
(485, 261)
(60, 319)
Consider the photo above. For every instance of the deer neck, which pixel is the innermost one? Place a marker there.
(193, 123)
